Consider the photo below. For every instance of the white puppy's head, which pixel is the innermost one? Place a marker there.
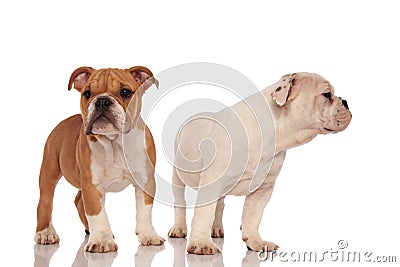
(310, 101)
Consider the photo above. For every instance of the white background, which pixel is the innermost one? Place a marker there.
(338, 187)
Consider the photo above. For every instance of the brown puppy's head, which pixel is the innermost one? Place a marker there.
(106, 97)
(310, 101)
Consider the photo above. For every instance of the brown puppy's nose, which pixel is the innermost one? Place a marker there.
(344, 102)
(102, 104)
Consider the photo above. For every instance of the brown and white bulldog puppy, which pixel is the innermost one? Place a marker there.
(104, 149)
(303, 105)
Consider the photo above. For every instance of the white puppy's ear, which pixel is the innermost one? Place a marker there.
(79, 77)
(283, 89)
(143, 76)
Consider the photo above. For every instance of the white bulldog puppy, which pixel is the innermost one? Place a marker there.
(240, 151)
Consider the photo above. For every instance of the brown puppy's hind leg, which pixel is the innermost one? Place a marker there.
(50, 174)
(81, 211)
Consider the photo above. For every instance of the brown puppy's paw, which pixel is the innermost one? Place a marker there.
(47, 236)
(203, 248)
(178, 231)
(150, 239)
(217, 232)
(101, 245)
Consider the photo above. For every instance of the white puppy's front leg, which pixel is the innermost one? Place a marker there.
(252, 213)
(144, 227)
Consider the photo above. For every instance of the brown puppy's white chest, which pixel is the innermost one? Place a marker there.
(107, 166)
(120, 160)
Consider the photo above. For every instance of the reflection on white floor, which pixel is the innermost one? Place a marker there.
(43, 254)
(143, 257)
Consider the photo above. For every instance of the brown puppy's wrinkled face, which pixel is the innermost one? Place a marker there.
(106, 96)
(311, 102)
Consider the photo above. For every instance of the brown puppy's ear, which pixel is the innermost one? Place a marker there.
(283, 89)
(143, 76)
(79, 77)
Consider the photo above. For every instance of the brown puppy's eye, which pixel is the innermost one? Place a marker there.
(125, 93)
(87, 94)
(327, 95)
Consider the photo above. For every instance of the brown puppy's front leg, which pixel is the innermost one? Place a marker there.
(144, 227)
(252, 213)
(101, 238)
(81, 211)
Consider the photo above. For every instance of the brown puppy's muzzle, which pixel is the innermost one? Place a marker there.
(104, 117)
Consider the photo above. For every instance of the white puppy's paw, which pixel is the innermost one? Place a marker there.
(149, 238)
(202, 246)
(101, 243)
(256, 244)
(178, 231)
(47, 236)
(217, 232)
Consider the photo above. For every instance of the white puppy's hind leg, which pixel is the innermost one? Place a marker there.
(252, 213)
(217, 228)
(200, 241)
(179, 229)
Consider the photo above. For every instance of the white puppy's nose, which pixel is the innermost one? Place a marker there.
(344, 102)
